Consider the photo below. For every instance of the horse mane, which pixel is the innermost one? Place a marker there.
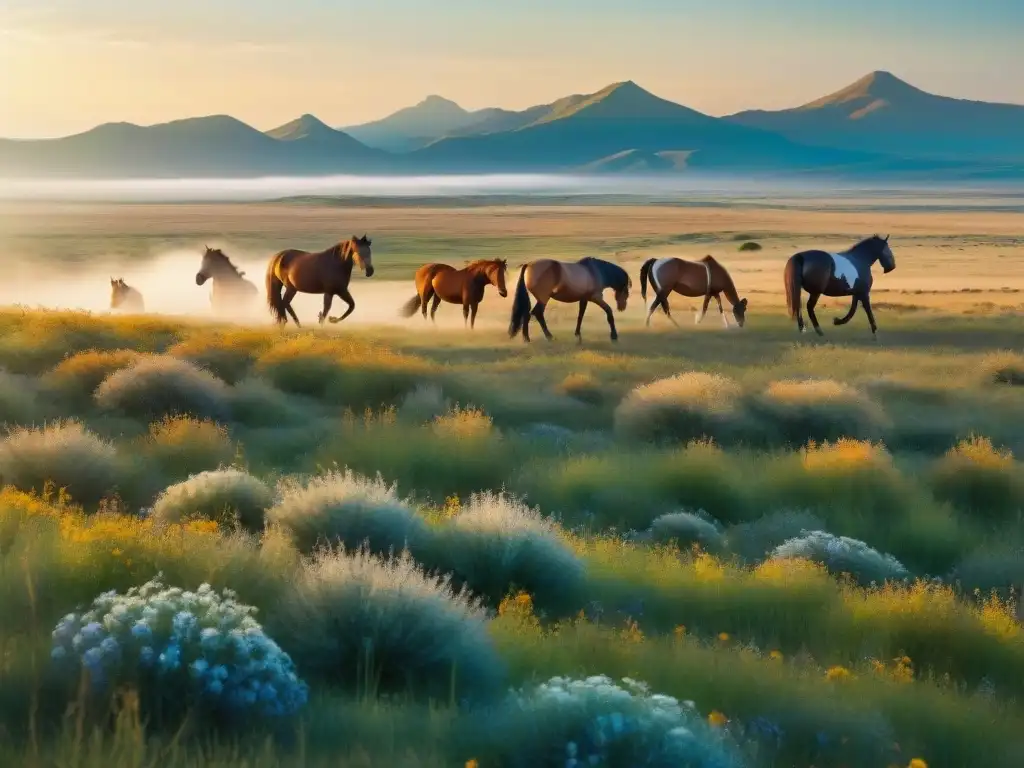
(609, 270)
(867, 241)
(226, 259)
(482, 263)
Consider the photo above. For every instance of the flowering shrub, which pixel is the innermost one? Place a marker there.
(162, 385)
(841, 554)
(684, 407)
(222, 496)
(348, 509)
(574, 723)
(496, 544)
(181, 648)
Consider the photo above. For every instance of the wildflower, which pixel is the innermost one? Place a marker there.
(837, 674)
(472, 763)
(917, 762)
(679, 631)
(775, 656)
(723, 636)
(717, 719)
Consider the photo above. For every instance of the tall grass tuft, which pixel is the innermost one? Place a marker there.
(382, 626)
(977, 477)
(66, 455)
(348, 509)
(162, 385)
(76, 377)
(496, 545)
(181, 446)
(685, 407)
(225, 496)
(795, 412)
(1005, 368)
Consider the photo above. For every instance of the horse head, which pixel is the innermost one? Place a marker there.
(359, 249)
(739, 311)
(622, 294)
(497, 276)
(886, 257)
(206, 268)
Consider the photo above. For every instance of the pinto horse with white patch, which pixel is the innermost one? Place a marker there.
(847, 273)
(583, 281)
(705, 278)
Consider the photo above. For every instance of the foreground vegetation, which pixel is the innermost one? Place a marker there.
(810, 548)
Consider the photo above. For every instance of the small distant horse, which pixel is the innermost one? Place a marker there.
(124, 298)
(705, 278)
(847, 273)
(328, 272)
(231, 291)
(440, 282)
(583, 281)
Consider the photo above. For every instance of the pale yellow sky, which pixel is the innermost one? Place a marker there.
(83, 62)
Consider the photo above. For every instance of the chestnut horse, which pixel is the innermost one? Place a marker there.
(583, 281)
(231, 291)
(124, 298)
(328, 272)
(440, 282)
(705, 278)
(847, 273)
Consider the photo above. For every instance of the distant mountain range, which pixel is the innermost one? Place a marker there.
(878, 125)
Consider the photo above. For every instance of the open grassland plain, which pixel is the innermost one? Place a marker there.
(384, 543)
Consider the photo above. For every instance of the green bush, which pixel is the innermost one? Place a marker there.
(77, 376)
(382, 626)
(68, 456)
(225, 496)
(843, 555)
(686, 529)
(348, 509)
(19, 402)
(497, 545)
(685, 407)
(180, 446)
(754, 541)
(162, 385)
(977, 477)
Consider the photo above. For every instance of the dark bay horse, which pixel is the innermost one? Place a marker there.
(328, 272)
(583, 281)
(847, 273)
(440, 282)
(231, 291)
(705, 278)
(124, 298)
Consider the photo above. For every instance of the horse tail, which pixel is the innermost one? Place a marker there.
(520, 305)
(274, 289)
(411, 307)
(793, 279)
(645, 272)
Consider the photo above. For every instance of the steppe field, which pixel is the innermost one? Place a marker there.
(779, 550)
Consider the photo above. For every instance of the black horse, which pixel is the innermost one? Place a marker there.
(847, 273)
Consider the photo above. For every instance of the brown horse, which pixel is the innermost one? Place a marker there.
(124, 298)
(231, 291)
(439, 282)
(327, 272)
(583, 281)
(847, 273)
(705, 278)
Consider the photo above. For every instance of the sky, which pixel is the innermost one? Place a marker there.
(67, 65)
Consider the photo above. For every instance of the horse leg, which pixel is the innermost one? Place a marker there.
(721, 310)
(849, 315)
(866, 301)
(579, 320)
(667, 311)
(538, 312)
(472, 314)
(703, 310)
(328, 298)
(812, 300)
(345, 296)
(611, 316)
(428, 294)
(289, 294)
(433, 308)
(465, 314)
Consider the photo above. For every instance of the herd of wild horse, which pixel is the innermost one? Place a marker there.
(329, 272)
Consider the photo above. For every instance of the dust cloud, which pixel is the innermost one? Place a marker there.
(168, 287)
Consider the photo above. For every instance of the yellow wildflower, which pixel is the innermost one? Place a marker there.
(472, 763)
(837, 674)
(917, 762)
(775, 656)
(723, 636)
(717, 719)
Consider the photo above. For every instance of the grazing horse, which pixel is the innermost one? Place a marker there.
(124, 298)
(583, 281)
(705, 278)
(439, 282)
(328, 272)
(231, 290)
(847, 273)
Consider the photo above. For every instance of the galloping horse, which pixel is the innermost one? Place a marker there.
(705, 278)
(847, 273)
(583, 281)
(124, 298)
(231, 291)
(440, 282)
(327, 272)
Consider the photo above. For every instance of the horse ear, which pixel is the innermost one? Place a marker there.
(743, 303)
(887, 238)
